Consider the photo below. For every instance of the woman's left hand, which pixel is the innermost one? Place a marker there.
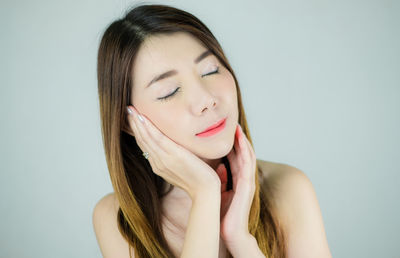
(236, 203)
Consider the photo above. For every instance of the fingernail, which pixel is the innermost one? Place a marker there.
(237, 131)
(140, 118)
(129, 110)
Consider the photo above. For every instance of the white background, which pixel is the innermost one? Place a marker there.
(320, 82)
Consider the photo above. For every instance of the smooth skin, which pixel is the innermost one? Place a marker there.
(200, 93)
(174, 163)
(237, 202)
(183, 169)
(293, 195)
(205, 97)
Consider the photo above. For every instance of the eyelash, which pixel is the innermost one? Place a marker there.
(166, 98)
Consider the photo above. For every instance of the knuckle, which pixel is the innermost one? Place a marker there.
(157, 170)
(165, 163)
(246, 161)
(158, 139)
(163, 166)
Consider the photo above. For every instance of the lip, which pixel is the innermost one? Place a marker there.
(215, 128)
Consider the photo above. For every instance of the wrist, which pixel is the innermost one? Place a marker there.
(209, 194)
(245, 246)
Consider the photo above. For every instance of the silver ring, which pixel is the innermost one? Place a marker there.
(146, 155)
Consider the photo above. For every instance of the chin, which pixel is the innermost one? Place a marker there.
(214, 150)
(216, 146)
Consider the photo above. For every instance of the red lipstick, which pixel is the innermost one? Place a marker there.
(214, 129)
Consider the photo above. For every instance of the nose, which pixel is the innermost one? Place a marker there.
(203, 100)
(208, 105)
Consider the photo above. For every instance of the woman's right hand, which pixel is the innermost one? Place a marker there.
(171, 161)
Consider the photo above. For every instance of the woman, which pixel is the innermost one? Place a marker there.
(181, 188)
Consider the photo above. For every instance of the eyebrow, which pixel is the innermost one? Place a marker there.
(173, 72)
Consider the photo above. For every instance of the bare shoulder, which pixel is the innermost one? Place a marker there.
(105, 224)
(297, 207)
(276, 175)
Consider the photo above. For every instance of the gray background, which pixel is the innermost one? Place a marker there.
(321, 88)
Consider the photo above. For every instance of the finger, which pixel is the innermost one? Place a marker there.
(236, 142)
(247, 158)
(158, 143)
(244, 148)
(236, 148)
(156, 154)
(252, 160)
(143, 139)
(133, 126)
(249, 147)
(245, 194)
(236, 156)
(232, 161)
(138, 137)
(165, 144)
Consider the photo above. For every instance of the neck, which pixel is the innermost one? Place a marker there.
(181, 195)
(213, 163)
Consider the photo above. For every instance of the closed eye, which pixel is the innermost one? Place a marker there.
(178, 89)
(213, 72)
(169, 95)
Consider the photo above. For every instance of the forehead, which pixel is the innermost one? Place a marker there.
(163, 52)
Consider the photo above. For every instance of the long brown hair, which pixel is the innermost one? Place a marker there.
(136, 187)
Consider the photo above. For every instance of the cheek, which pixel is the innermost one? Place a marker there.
(162, 121)
(228, 90)
(230, 97)
(168, 121)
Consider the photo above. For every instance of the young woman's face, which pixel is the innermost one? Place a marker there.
(199, 98)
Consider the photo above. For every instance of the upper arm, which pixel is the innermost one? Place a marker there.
(104, 218)
(299, 211)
